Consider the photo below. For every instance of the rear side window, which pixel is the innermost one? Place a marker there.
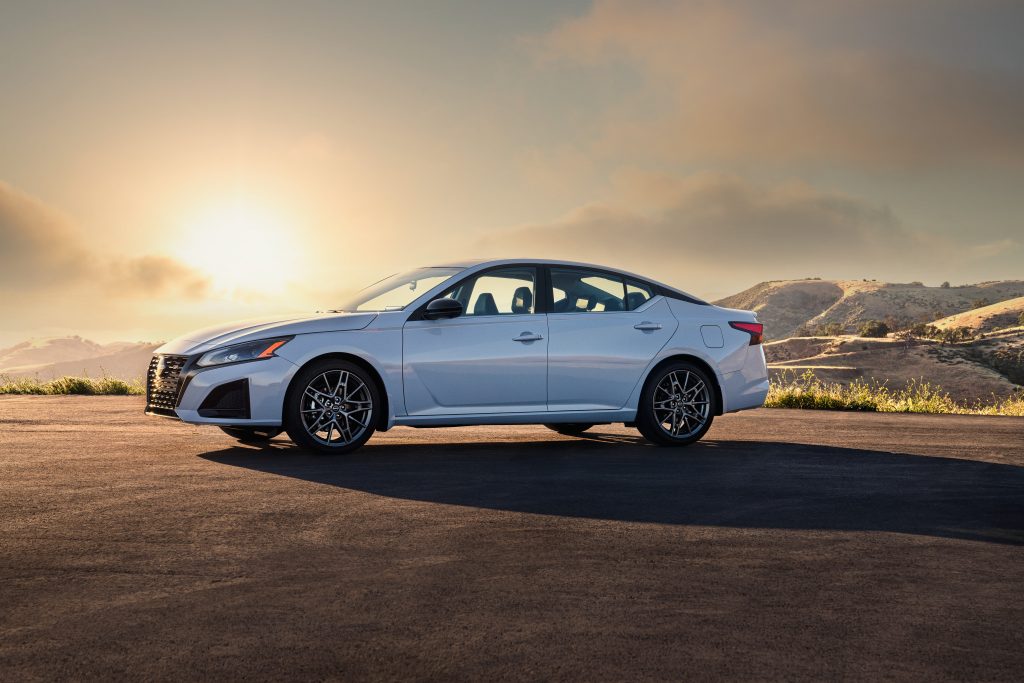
(583, 291)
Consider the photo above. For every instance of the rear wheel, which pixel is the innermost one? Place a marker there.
(253, 435)
(569, 429)
(332, 407)
(677, 405)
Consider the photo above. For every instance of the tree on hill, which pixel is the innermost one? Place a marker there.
(945, 285)
(873, 328)
(830, 330)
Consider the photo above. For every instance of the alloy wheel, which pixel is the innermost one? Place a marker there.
(682, 404)
(336, 408)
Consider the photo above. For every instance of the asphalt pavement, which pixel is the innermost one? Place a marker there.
(786, 544)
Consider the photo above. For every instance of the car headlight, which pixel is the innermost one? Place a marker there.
(236, 353)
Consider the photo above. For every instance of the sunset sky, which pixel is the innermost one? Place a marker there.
(166, 165)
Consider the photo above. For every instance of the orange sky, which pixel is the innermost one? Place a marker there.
(163, 167)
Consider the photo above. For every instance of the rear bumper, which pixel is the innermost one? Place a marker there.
(747, 387)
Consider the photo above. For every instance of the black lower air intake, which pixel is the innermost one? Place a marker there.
(229, 400)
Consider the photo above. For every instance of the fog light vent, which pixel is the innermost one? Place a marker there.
(229, 400)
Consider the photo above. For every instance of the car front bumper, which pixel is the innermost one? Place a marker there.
(263, 383)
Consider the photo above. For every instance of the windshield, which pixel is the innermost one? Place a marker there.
(398, 291)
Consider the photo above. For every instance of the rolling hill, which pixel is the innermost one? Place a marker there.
(999, 315)
(788, 306)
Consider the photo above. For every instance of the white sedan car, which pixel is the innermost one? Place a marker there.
(567, 345)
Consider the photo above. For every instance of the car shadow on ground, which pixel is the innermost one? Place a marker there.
(742, 484)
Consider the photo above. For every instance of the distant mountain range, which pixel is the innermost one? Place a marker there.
(790, 307)
(55, 357)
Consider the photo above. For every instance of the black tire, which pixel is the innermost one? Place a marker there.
(653, 425)
(321, 375)
(569, 428)
(253, 435)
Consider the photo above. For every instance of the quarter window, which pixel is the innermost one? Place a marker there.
(637, 294)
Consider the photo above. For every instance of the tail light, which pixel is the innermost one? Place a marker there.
(755, 330)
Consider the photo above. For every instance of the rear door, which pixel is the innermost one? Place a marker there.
(491, 359)
(604, 331)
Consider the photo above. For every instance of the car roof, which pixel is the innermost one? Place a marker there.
(482, 263)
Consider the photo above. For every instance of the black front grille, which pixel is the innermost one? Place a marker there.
(163, 382)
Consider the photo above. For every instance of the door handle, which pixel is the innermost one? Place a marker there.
(647, 326)
(527, 337)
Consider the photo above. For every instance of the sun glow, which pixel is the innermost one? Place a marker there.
(242, 246)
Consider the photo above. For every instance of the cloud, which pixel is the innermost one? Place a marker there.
(708, 229)
(154, 275)
(37, 246)
(40, 250)
(793, 82)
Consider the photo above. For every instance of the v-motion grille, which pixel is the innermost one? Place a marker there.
(163, 382)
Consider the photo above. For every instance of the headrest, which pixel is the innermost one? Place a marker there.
(485, 305)
(635, 300)
(522, 300)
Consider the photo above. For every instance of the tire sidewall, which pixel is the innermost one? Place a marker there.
(647, 423)
(292, 406)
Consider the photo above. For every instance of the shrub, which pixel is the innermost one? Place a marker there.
(954, 335)
(923, 330)
(808, 392)
(945, 285)
(980, 303)
(873, 328)
(1020, 320)
(106, 386)
(829, 330)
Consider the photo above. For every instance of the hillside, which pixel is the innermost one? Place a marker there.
(49, 358)
(969, 371)
(789, 306)
(987, 318)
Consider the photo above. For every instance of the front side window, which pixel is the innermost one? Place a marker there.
(398, 291)
(503, 291)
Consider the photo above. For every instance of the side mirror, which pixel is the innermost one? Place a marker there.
(443, 308)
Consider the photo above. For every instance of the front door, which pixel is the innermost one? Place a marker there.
(491, 359)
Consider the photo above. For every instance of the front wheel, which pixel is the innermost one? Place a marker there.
(332, 407)
(677, 405)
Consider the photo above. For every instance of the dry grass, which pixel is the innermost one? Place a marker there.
(808, 392)
(104, 386)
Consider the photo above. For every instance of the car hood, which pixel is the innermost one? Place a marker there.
(208, 338)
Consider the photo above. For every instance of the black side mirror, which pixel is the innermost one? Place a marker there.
(443, 308)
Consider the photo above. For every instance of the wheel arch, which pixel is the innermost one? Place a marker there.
(382, 418)
(700, 363)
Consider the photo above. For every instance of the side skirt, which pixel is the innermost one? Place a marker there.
(546, 417)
